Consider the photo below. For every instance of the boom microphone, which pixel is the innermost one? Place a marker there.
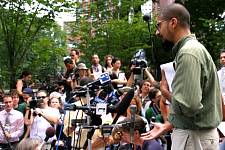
(73, 107)
(147, 17)
(121, 108)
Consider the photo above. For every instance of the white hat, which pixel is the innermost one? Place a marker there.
(81, 66)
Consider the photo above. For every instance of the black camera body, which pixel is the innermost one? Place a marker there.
(35, 103)
(140, 62)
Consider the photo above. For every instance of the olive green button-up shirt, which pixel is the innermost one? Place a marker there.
(196, 102)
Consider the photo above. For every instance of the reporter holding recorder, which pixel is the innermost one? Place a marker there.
(196, 108)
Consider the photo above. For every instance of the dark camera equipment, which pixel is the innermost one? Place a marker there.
(140, 62)
(107, 95)
(106, 131)
(91, 86)
(96, 100)
(36, 102)
(113, 97)
(2, 106)
(74, 122)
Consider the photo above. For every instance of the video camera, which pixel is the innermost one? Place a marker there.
(36, 102)
(140, 61)
(88, 85)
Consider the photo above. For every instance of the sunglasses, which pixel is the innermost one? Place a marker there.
(41, 97)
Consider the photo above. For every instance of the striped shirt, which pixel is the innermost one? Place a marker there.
(196, 102)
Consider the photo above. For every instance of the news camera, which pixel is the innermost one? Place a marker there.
(140, 62)
(36, 102)
(88, 85)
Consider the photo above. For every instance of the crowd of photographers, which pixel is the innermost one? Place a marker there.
(64, 118)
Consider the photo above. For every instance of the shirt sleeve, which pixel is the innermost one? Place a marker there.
(19, 128)
(187, 90)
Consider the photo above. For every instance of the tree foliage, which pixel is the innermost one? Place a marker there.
(21, 21)
(207, 22)
(116, 36)
(30, 38)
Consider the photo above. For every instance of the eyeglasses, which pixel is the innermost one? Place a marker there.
(41, 97)
(158, 25)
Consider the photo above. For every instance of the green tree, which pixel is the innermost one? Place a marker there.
(20, 23)
(45, 58)
(116, 36)
(207, 22)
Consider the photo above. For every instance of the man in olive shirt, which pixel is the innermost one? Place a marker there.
(196, 103)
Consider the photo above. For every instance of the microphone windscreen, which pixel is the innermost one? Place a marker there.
(147, 17)
(50, 132)
(125, 102)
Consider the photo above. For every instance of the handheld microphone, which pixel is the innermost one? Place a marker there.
(121, 108)
(49, 133)
(133, 109)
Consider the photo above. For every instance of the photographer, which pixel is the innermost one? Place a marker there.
(81, 72)
(69, 75)
(41, 116)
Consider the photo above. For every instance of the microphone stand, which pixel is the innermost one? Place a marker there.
(133, 112)
(147, 18)
(91, 131)
(3, 130)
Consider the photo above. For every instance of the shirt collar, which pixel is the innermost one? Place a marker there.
(181, 42)
(10, 112)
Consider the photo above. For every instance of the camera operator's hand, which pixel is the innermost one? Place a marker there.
(115, 81)
(38, 111)
(28, 115)
(149, 76)
(8, 135)
(132, 67)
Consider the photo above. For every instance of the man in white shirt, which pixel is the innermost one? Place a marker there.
(221, 73)
(96, 69)
(12, 124)
(42, 118)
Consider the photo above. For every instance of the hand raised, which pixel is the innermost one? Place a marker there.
(158, 130)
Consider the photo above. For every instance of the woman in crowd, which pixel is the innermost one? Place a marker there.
(55, 102)
(152, 107)
(144, 89)
(23, 82)
(118, 77)
(108, 63)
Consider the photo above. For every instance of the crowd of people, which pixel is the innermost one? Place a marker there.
(181, 111)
